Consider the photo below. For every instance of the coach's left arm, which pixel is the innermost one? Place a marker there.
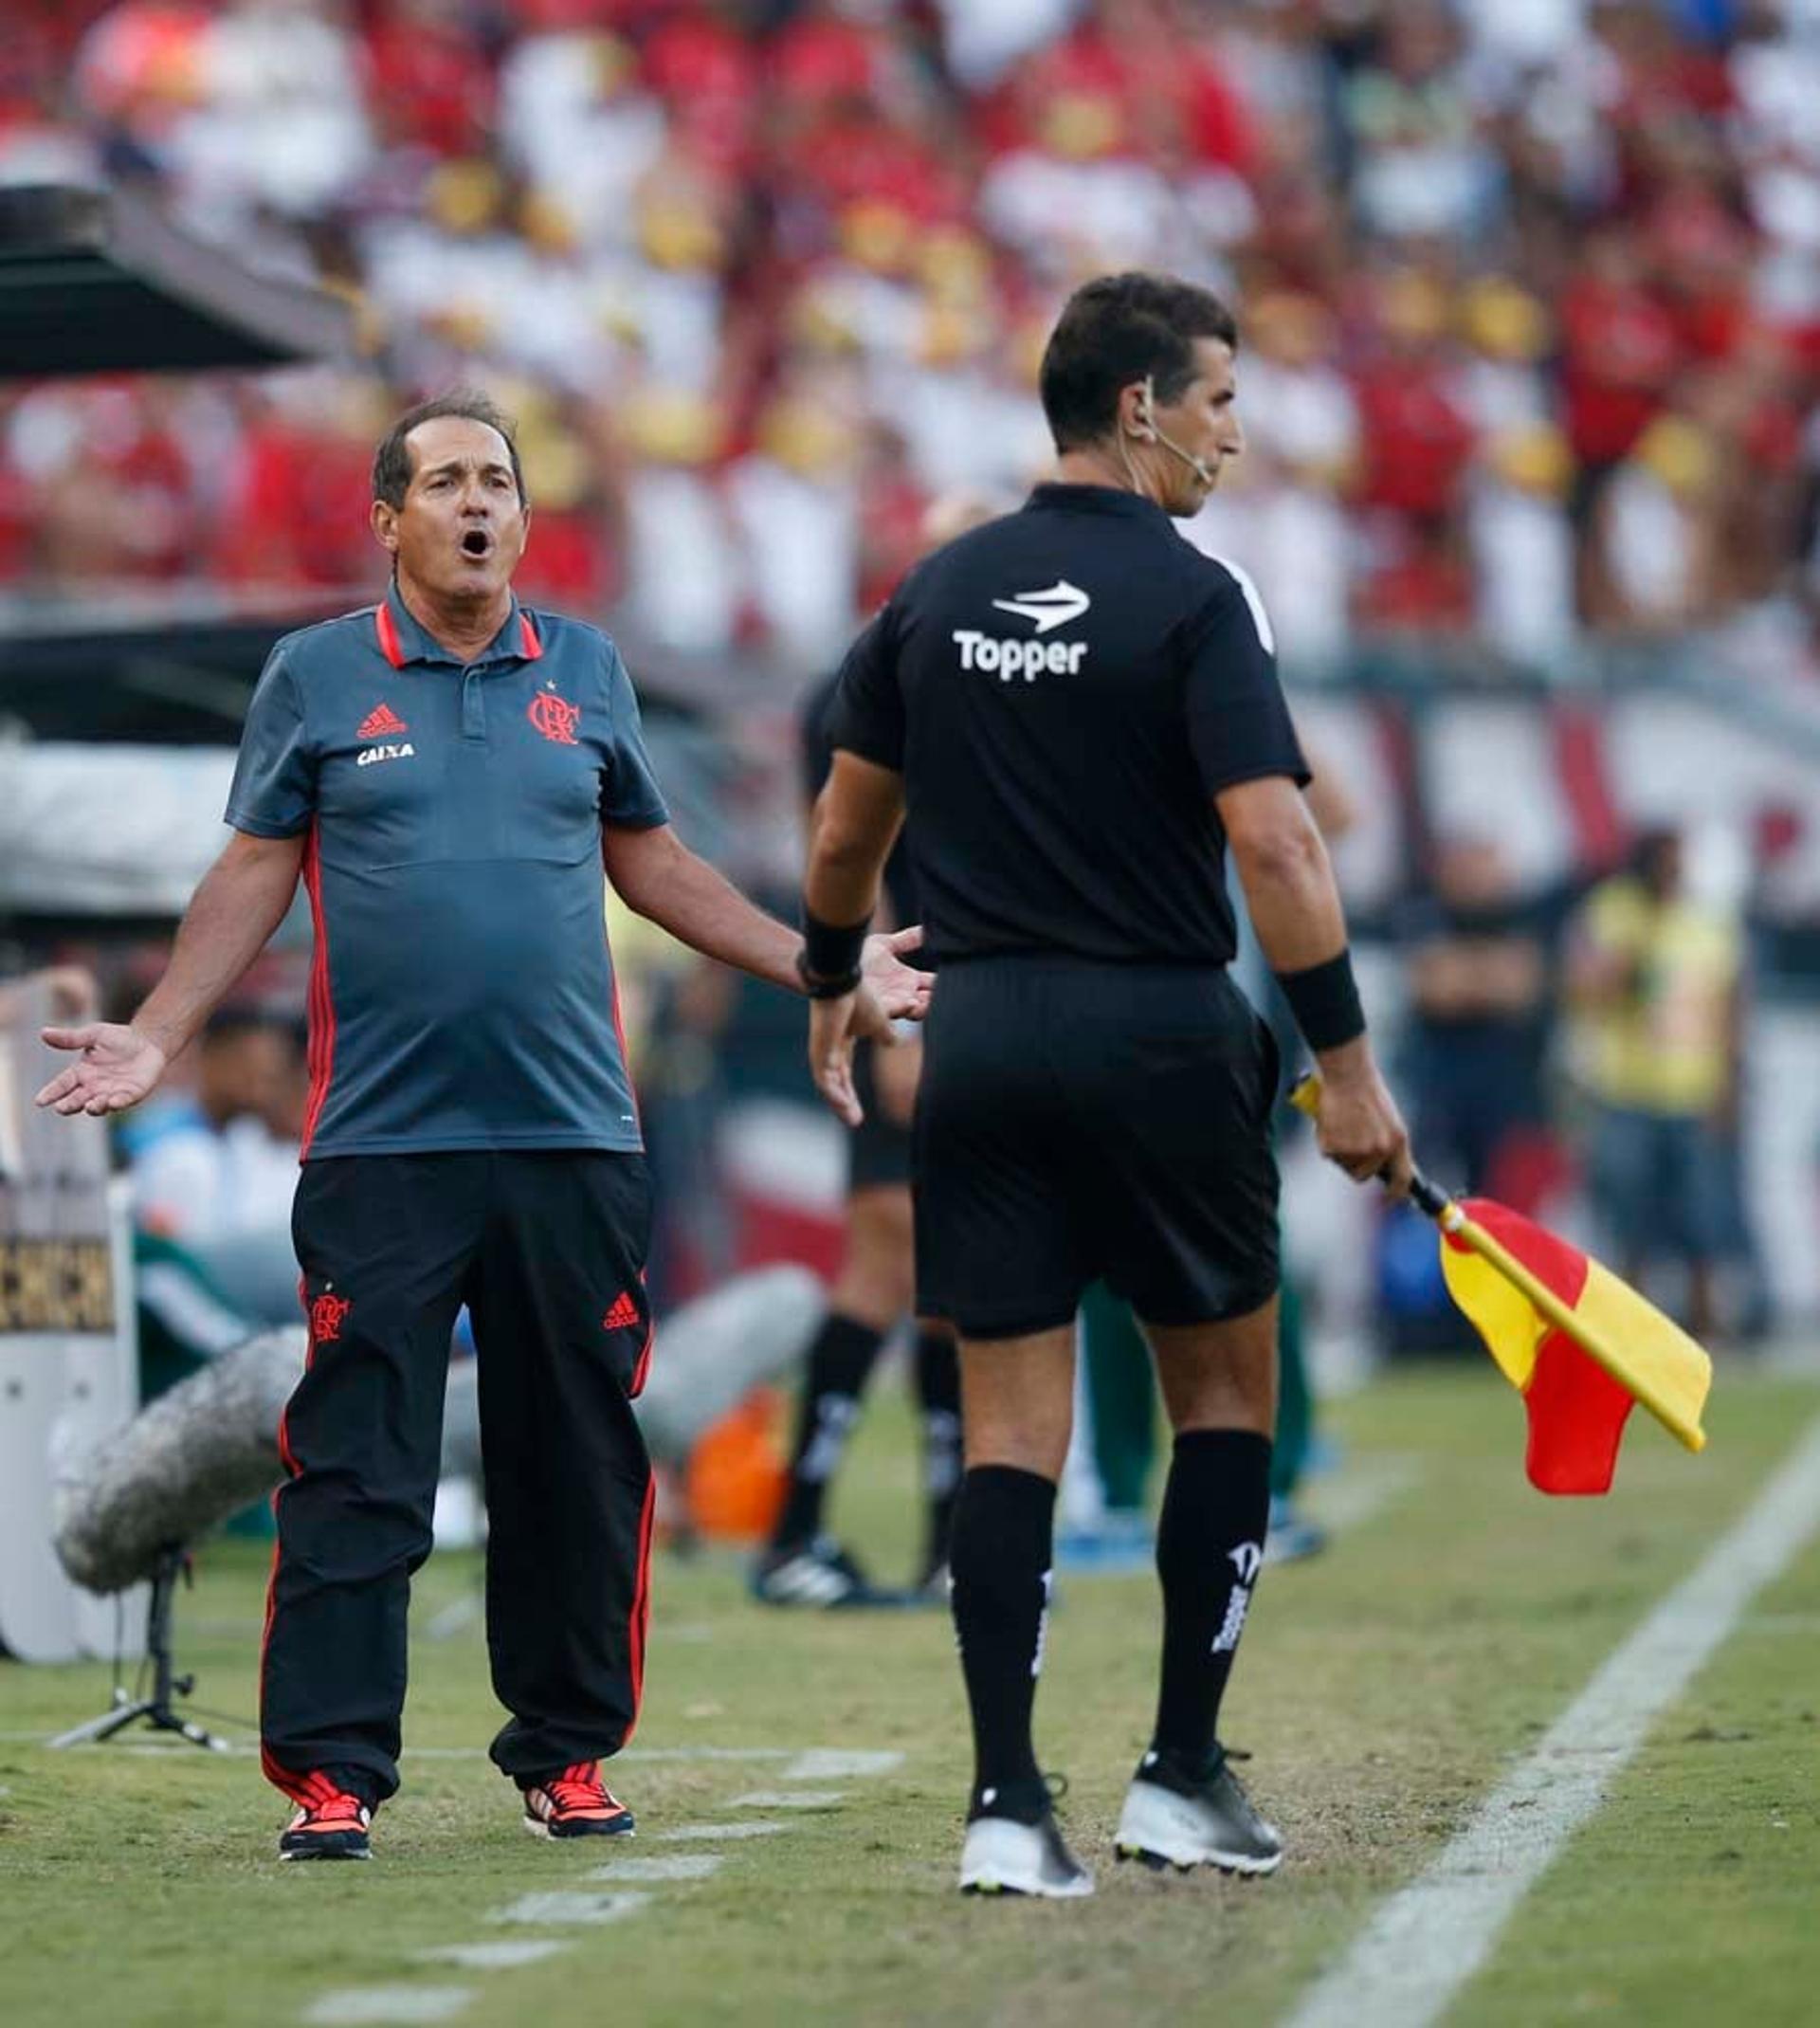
(656, 874)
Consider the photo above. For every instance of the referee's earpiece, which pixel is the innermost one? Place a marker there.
(1154, 432)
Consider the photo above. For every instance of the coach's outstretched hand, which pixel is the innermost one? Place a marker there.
(889, 991)
(116, 1068)
(899, 992)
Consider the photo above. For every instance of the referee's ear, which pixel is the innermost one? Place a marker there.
(1137, 404)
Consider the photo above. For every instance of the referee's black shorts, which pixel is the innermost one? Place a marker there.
(878, 1150)
(1080, 1121)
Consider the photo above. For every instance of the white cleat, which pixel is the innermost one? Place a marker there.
(1171, 1818)
(1002, 1856)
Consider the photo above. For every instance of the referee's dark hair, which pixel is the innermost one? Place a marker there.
(1114, 330)
(392, 466)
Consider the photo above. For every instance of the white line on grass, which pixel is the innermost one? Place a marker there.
(354, 2006)
(672, 1866)
(557, 1907)
(1430, 1938)
(694, 1834)
(790, 1799)
(836, 1763)
(503, 1957)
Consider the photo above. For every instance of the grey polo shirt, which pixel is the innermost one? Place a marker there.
(462, 994)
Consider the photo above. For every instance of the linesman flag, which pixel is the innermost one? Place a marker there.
(1581, 1346)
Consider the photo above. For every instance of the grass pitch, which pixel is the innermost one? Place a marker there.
(1381, 1689)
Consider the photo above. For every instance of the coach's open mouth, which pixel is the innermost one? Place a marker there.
(476, 542)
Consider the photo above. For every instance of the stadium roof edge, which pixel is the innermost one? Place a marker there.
(96, 281)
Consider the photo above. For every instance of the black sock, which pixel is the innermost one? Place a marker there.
(1209, 1542)
(1000, 1560)
(938, 1395)
(839, 1364)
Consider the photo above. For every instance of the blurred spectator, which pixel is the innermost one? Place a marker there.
(1479, 1010)
(220, 1169)
(1522, 546)
(726, 256)
(1656, 531)
(1655, 978)
(681, 1098)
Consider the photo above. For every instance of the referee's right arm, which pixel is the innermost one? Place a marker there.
(1295, 909)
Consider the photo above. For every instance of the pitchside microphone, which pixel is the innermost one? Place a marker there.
(1197, 464)
(210, 1445)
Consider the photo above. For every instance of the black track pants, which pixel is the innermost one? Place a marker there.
(547, 1249)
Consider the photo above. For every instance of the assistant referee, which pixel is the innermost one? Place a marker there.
(1082, 714)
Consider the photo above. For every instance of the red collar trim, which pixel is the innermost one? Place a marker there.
(389, 645)
(393, 648)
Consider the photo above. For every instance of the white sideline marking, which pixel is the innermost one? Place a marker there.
(690, 1834)
(835, 1764)
(1432, 1936)
(501, 1956)
(673, 1866)
(558, 1906)
(359, 2003)
(790, 1799)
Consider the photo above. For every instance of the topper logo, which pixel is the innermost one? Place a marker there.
(1048, 610)
(1028, 659)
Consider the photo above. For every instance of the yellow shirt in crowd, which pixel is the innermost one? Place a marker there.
(1665, 1047)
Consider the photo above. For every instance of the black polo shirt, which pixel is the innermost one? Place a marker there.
(1064, 691)
(462, 994)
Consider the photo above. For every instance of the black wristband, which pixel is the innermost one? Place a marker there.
(1324, 1001)
(833, 986)
(828, 963)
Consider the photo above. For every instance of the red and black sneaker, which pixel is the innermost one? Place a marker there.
(576, 1804)
(332, 1825)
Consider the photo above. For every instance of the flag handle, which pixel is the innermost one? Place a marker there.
(1306, 1098)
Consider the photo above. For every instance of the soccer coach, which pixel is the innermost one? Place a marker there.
(447, 772)
(1082, 715)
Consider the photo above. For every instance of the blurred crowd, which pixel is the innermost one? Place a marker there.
(1530, 291)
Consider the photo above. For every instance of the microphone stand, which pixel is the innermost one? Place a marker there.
(157, 1709)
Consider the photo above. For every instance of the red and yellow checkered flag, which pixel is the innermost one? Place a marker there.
(1581, 1346)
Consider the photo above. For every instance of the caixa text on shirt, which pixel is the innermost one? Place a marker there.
(1028, 659)
(405, 751)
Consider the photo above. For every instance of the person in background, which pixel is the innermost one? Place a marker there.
(190, 1183)
(1479, 981)
(1655, 976)
(801, 1566)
